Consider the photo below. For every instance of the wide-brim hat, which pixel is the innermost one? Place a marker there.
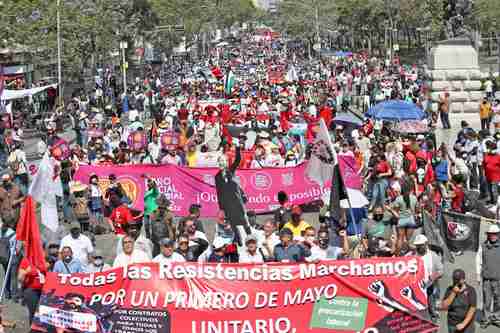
(77, 187)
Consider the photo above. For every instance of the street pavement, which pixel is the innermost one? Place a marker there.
(107, 243)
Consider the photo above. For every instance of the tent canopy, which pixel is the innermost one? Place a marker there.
(347, 119)
(396, 110)
(17, 94)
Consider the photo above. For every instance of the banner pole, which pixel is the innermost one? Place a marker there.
(7, 272)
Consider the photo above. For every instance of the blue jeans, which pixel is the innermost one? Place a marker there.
(66, 207)
(379, 189)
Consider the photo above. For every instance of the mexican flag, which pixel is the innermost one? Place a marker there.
(229, 82)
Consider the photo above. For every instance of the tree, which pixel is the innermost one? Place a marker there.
(305, 18)
(488, 15)
(90, 30)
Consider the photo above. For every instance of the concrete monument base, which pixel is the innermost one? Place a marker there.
(454, 68)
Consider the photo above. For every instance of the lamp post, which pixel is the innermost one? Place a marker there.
(59, 51)
(123, 47)
(426, 33)
(497, 32)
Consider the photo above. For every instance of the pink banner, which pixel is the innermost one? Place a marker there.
(186, 186)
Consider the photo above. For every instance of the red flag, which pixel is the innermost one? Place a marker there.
(29, 232)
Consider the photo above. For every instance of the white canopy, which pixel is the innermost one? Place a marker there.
(17, 94)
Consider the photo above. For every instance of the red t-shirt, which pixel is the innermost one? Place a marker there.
(491, 165)
(183, 114)
(382, 167)
(410, 156)
(120, 216)
(458, 200)
(32, 279)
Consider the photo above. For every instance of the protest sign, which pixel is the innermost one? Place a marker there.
(185, 186)
(368, 295)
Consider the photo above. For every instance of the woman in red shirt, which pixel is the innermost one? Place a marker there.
(383, 173)
(457, 194)
(32, 280)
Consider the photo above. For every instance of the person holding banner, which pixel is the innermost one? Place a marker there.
(230, 195)
(168, 253)
(31, 279)
(289, 252)
(130, 254)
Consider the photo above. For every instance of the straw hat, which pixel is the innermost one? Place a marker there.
(77, 186)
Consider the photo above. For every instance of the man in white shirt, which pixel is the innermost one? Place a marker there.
(433, 270)
(130, 255)
(322, 250)
(141, 242)
(168, 254)
(79, 244)
(268, 239)
(488, 88)
(249, 254)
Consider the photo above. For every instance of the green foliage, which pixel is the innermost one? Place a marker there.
(90, 30)
(488, 15)
(299, 17)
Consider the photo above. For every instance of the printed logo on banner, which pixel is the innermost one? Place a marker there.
(287, 179)
(128, 184)
(261, 181)
(458, 231)
(340, 313)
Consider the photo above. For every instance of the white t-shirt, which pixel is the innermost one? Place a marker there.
(81, 247)
(175, 257)
(247, 258)
(132, 115)
(136, 257)
(318, 253)
(488, 86)
(271, 241)
(141, 243)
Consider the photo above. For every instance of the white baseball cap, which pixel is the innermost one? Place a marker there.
(493, 229)
(420, 240)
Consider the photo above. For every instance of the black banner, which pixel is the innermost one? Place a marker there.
(461, 231)
(434, 234)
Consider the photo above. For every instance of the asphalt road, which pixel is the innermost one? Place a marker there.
(17, 313)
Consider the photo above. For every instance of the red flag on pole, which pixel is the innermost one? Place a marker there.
(29, 232)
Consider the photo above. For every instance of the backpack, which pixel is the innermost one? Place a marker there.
(80, 208)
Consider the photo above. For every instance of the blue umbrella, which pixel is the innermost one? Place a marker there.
(343, 54)
(347, 119)
(396, 110)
